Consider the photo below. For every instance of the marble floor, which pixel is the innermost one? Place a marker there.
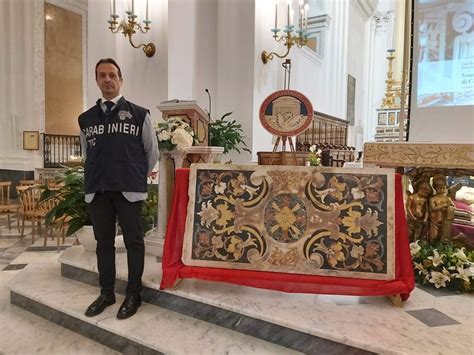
(23, 332)
(431, 322)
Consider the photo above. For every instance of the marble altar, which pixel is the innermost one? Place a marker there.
(326, 221)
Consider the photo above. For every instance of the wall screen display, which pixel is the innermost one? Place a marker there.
(445, 53)
(443, 71)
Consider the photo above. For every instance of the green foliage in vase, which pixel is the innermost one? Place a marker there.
(228, 134)
(70, 204)
(150, 208)
(70, 200)
(314, 156)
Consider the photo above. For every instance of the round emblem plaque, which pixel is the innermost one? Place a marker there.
(286, 113)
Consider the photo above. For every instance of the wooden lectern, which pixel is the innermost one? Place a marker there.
(192, 114)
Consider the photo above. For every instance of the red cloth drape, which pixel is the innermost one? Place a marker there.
(174, 268)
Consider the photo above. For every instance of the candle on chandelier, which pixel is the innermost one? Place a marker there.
(146, 10)
(301, 2)
(133, 7)
(113, 8)
(276, 14)
(288, 14)
(292, 15)
(301, 19)
(301, 13)
(306, 8)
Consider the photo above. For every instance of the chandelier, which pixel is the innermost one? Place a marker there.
(130, 26)
(289, 36)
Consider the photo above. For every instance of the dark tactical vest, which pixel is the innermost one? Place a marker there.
(116, 160)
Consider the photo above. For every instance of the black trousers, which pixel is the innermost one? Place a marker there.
(105, 208)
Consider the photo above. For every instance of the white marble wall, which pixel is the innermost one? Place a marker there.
(21, 90)
(380, 38)
(215, 45)
(22, 95)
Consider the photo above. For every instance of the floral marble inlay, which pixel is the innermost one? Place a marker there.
(328, 221)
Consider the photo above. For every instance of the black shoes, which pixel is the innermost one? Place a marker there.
(98, 306)
(129, 307)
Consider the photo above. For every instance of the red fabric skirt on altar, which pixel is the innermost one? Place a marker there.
(173, 267)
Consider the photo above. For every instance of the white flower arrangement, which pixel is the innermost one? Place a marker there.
(443, 265)
(174, 133)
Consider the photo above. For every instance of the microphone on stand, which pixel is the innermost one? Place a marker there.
(209, 111)
(209, 115)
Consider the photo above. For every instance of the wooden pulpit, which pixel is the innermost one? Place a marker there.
(192, 114)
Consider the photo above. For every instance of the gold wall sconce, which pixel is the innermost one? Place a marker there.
(130, 26)
(289, 35)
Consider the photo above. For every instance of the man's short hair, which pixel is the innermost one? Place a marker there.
(110, 61)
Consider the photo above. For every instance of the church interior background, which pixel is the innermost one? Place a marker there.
(208, 52)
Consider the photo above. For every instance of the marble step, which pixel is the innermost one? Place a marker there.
(40, 289)
(246, 310)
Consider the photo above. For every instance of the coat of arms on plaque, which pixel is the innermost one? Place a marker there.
(286, 113)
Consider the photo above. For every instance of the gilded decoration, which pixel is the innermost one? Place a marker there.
(459, 156)
(326, 221)
(430, 206)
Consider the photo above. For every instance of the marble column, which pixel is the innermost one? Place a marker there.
(155, 239)
(169, 161)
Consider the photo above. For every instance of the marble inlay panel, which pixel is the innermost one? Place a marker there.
(432, 317)
(15, 267)
(329, 221)
(437, 292)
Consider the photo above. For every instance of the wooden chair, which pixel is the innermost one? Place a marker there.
(37, 211)
(30, 182)
(6, 206)
(58, 224)
(29, 197)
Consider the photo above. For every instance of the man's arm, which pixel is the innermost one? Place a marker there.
(150, 143)
(83, 139)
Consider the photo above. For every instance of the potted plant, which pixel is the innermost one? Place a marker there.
(150, 209)
(72, 209)
(70, 206)
(227, 134)
(70, 197)
(314, 156)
